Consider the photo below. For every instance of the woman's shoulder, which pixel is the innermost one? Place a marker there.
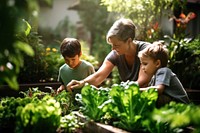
(112, 56)
(142, 44)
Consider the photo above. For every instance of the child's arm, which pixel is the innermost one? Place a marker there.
(160, 88)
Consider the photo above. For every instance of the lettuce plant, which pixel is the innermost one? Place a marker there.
(91, 98)
(129, 106)
(123, 105)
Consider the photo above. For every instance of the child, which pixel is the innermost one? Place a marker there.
(74, 67)
(154, 60)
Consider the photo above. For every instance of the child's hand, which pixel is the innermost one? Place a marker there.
(69, 89)
(60, 89)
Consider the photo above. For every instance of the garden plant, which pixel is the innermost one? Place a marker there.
(25, 59)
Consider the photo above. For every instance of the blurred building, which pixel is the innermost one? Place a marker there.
(51, 16)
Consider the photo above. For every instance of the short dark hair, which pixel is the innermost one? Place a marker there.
(70, 47)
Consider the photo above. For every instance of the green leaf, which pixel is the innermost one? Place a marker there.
(28, 29)
(24, 47)
(12, 82)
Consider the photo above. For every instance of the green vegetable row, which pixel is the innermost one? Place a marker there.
(126, 107)
(37, 112)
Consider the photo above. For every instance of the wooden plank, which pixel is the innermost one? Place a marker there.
(95, 127)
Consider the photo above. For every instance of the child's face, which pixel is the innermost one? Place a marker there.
(72, 62)
(149, 66)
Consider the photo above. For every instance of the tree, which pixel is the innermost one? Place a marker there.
(97, 20)
(146, 14)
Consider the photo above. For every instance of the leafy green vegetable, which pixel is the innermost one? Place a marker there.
(70, 123)
(39, 116)
(122, 105)
(92, 98)
(8, 109)
(129, 106)
(176, 116)
(37, 112)
(65, 100)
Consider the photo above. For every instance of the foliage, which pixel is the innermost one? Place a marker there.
(66, 103)
(90, 59)
(86, 54)
(71, 123)
(91, 98)
(43, 66)
(35, 109)
(39, 116)
(185, 60)
(123, 105)
(174, 118)
(97, 25)
(12, 29)
(144, 13)
(64, 29)
(36, 65)
(12, 57)
(128, 106)
(64, 98)
(8, 109)
(52, 37)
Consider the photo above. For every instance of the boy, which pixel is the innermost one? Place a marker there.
(154, 60)
(74, 67)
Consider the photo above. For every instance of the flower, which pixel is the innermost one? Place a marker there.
(54, 50)
(183, 19)
(48, 49)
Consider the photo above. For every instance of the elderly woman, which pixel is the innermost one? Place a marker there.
(123, 55)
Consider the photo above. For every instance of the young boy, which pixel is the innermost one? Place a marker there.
(154, 60)
(74, 67)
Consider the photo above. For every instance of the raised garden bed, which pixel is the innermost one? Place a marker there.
(5, 90)
(94, 127)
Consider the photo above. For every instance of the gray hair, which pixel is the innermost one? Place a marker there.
(123, 29)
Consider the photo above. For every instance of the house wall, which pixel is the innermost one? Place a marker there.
(166, 25)
(51, 16)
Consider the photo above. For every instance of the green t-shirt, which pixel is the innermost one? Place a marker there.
(66, 74)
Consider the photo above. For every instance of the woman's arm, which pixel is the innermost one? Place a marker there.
(103, 72)
(95, 79)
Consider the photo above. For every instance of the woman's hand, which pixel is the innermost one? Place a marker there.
(75, 84)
